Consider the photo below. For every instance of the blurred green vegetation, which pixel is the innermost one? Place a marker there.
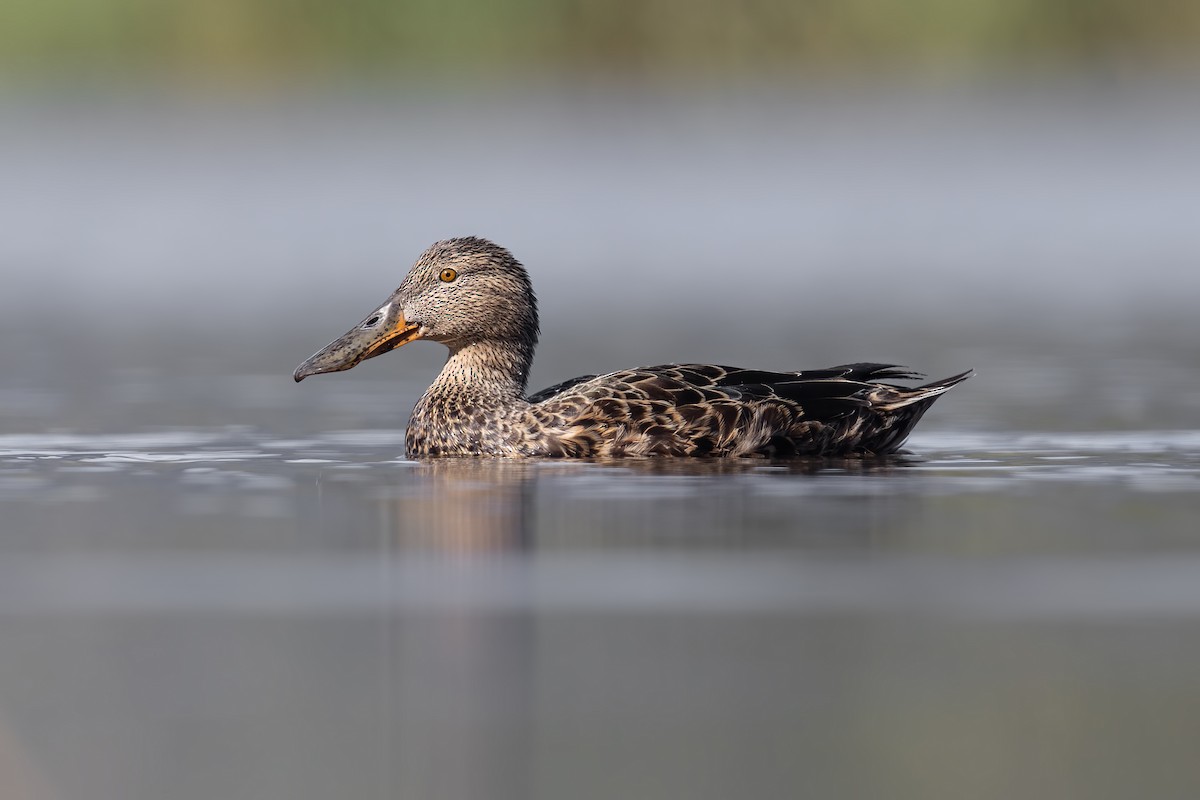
(239, 40)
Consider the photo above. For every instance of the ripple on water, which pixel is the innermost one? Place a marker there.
(1056, 443)
(177, 458)
(939, 463)
(67, 443)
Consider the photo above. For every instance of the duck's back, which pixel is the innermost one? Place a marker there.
(706, 409)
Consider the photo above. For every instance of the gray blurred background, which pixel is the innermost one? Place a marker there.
(197, 195)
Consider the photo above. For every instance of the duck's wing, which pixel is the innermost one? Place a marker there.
(714, 375)
(690, 409)
(685, 384)
(558, 388)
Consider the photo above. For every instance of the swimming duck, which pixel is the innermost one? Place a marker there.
(474, 297)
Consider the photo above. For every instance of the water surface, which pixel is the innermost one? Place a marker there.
(229, 613)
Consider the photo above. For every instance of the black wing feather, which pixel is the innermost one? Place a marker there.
(558, 388)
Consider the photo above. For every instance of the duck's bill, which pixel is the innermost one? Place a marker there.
(358, 344)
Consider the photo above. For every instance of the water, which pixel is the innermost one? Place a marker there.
(228, 613)
(216, 583)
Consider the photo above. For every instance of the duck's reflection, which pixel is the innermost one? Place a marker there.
(464, 685)
(464, 506)
(473, 505)
(20, 778)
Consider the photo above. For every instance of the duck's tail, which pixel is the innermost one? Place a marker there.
(900, 408)
(923, 394)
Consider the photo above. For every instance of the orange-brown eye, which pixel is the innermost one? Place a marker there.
(448, 275)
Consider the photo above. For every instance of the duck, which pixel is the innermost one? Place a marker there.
(476, 298)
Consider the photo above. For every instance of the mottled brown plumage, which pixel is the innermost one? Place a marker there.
(475, 298)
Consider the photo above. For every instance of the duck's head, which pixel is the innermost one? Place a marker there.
(460, 292)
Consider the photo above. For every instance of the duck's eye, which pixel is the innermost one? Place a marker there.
(448, 275)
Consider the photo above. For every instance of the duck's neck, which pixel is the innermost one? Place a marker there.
(486, 373)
